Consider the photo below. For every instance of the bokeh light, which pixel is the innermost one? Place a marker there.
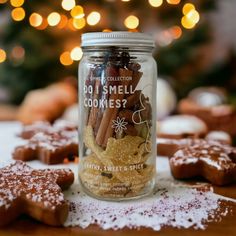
(174, 2)
(70, 24)
(35, 19)
(194, 16)
(76, 53)
(18, 14)
(131, 22)
(65, 59)
(43, 26)
(133, 30)
(187, 23)
(54, 19)
(107, 30)
(68, 4)
(17, 3)
(77, 12)
(187, 8)
(63, 22)
(176, 32)
(93, 18)
(3, 1)
(79, 23)
(18, 52)
(3, 55)
(155, 3)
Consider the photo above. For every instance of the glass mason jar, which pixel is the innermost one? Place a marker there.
(117, 101)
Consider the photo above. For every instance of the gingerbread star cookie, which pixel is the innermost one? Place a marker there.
(50, 148)
(37, 193)
(211, 160)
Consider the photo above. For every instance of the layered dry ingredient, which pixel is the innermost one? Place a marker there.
(117, 135)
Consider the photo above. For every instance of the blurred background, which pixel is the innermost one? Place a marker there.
(40, 50)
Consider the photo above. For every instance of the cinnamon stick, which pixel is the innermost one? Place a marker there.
(136, 78)
(105, 130)
(133, 99)
(109, 132)
(105, 122)
(94, 110)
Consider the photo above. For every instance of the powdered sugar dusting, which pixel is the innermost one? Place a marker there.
(42, 134)
(60, 127)
(182, 124)
(19, 181)
(179, 196)
(172, 203)
(210, 153)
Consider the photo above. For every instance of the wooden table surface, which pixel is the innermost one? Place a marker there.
(226, 227)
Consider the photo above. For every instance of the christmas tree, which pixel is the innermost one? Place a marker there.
(40, 40)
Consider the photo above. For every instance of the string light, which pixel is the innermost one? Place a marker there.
(18, 53)
(173, 2)
(187, 23)
(77, 12)
(93, 18)
(3, 55)
(155, 3)
(65, 59)
(164, 38)
(193, 16)
(79, 23)
(187, 8)
(35, 20)
(107, 30)
(131, 22)
(68, 4)
(70, 24)
(76, 54)
(176, 32)
(43, 26)
(133, 30)
(54, 19)
(63, 22)
(17, 3)
(190, 18)
(18, 14)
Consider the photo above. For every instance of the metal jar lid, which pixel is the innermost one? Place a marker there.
(118, 38)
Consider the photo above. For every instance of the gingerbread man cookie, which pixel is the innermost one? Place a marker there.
(37, 193)
(211, 160)
(51, 148)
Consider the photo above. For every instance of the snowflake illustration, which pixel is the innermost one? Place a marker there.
(119, 124)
